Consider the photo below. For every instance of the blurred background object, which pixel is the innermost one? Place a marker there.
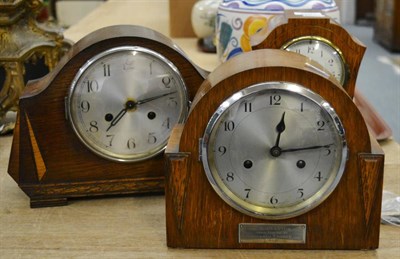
(69, 12)
(29, 50)
(203, 18)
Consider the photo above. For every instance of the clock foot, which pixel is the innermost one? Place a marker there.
(43, 202)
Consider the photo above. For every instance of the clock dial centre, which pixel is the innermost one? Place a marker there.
(130, 105)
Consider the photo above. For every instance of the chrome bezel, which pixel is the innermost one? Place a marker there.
(113, 156)
(269, 212)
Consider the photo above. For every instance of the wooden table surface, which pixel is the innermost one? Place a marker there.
(134, 227)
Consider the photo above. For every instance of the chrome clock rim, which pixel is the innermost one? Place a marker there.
(251, 209)
(112, 156)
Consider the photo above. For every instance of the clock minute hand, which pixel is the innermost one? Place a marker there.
(305, 148)
(153, 98)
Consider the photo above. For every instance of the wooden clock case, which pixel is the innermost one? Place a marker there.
(295, 26)
(196, 217)
(48, 161)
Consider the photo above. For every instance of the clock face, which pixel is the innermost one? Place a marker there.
(322, 51)
(124, 102)
(274, 150)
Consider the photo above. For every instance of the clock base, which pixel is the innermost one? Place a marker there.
(50, 195)
(40, 203)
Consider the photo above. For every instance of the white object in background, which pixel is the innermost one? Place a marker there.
(204, 13)
(347, 11)
(70, 12)
(390, 208)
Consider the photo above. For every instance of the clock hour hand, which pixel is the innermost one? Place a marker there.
(117, 118)
(129, 105)
(305, 148)
(275, 151)
(153, 98)
(280, 128)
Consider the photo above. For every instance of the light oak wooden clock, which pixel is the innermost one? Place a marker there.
(321, 39)
(98, 124)
(326, 42)
(274, 154)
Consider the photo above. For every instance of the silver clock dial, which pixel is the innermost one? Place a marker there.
(124, 102)
(274, 150)
(322, 51)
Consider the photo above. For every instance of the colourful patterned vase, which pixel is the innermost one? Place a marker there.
(238, 21)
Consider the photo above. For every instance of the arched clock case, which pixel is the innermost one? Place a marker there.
(321, 39)
(265, 128)
(99, 123)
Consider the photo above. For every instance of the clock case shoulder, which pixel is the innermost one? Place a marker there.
(353, 207)
(48, 161)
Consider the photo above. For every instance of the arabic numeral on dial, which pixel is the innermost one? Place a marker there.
(166, 80)
(151, 67)
(247, 191)
(106, 70)
(85, 106)
(172, 102)
(248, 107)
(273, 200)
(110, 138)
(300, 192)
(129, 64)
(151, 138)
(222, 150)
(328, 152)
(166, 123)
(131, 144)
(92, 86)
(301, 107)
(229, 125)
(321, 125)
(230, 177)
(93, 127)
(275, 100)
(318, 177)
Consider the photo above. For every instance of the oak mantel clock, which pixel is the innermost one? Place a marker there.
(328, 43)
(319, 38)
(274, 154)
(98, 124)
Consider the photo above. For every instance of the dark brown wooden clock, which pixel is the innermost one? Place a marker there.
(99, 124)
(274, 154)
(320, 38)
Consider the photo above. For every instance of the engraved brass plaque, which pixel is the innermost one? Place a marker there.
(272, 233)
